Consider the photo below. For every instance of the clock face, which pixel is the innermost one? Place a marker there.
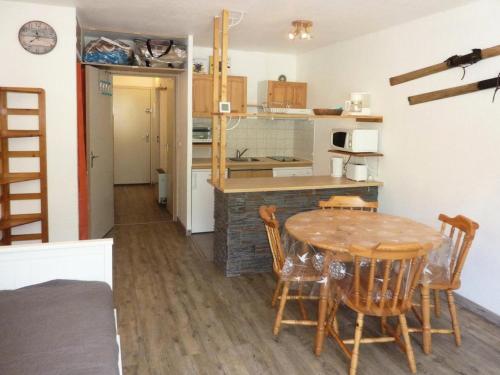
(37, 37)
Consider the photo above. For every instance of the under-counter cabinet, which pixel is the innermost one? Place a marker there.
(292, 171)
(202, 201)
(202, 94)
(283, 94)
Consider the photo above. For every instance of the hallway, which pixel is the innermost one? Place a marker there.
(179, 315)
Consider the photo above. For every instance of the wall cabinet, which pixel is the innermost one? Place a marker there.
(202, 94)
(283, 94)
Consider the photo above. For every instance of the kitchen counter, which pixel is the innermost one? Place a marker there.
(240, 240)
(263, 163)
(261, 184)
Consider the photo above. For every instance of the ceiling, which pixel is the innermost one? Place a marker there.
(266, 22)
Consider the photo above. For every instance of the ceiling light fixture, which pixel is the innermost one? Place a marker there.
(301, 30)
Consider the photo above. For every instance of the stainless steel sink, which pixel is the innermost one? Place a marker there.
(244, 159)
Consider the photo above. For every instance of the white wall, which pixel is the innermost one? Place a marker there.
(440, 156)
(256, 66)
(56, 73)
(184, 152)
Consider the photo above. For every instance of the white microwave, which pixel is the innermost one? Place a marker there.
(354, 140)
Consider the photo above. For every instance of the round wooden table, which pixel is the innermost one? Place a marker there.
(337, 230)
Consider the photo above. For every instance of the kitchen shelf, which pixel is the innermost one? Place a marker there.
(18, 177)
(357, 154)
(17, 220)
(358, 118)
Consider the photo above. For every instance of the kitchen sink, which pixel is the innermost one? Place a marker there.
(244, 159)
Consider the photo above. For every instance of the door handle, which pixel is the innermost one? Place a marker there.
(92, 157)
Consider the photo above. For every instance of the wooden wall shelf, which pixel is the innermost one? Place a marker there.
(17, 220)
(18, 177)
(357, 154)
(8, 176)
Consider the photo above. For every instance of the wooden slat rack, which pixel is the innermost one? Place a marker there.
(8, 219)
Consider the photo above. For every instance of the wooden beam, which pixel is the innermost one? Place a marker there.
(223, 95)
(215, 102)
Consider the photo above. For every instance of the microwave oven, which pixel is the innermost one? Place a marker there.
(354, 140)
(202, 134)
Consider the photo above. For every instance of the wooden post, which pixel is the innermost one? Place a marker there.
(215, 103)
(4, 167)
(223, 95)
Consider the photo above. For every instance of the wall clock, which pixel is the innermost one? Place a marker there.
(37, 37)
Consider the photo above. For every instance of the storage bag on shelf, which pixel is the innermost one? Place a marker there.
(159, 53)
(107, 51)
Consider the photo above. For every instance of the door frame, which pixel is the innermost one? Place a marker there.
(175, 78)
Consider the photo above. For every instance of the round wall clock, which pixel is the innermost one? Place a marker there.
(37, 37)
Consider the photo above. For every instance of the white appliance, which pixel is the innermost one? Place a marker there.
(162, 189)
(202, 134)
(292, 171)
(336, 167)
(358, 104)
(357, 172)
(354, 140)
(202, 201)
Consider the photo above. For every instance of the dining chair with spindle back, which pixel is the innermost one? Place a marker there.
(348, 202)
(384, 279)
(299, 275)
(446, 277)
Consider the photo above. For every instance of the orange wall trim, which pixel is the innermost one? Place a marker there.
(83, 201)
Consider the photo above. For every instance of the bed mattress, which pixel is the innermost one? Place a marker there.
(61, 327)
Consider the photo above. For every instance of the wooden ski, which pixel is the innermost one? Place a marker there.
(455, 91)
(452, 62)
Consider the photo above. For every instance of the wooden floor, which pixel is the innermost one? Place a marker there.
(178, 315)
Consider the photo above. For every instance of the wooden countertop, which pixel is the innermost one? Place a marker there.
(206, 163)
(260, 184)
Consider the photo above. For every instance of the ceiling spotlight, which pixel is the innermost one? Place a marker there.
(301, 30)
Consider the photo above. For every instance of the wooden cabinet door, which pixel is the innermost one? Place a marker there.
(276, 94)
(202, 95)
(237, 93)
(297, 95)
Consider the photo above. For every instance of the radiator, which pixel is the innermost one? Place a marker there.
(162, 188)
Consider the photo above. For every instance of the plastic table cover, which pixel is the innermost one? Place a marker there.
(311, 237)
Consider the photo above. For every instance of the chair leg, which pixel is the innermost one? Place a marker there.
(302, 308)
(454, 317)
(409, 349)
(437, 303)
(383, 323)
(279, 315)
(357, 340)
(276, 293)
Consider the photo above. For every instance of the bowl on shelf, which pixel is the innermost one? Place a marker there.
(327, 112)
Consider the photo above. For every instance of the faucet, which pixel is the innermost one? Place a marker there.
(239, 153)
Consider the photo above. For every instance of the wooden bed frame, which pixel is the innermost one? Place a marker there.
(92, 260)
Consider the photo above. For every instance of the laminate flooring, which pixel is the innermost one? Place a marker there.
(177, 314)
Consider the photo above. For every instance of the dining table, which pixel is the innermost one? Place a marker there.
(332, 232)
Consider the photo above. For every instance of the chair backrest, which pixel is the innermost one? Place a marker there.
(386, 276)
(462, 231)
(268, 216)
(348, 202)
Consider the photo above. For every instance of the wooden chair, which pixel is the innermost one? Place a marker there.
(300, 276)
(446, 277)
(398, 269)
(348, 202)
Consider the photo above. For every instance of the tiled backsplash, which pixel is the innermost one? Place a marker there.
(265, 137)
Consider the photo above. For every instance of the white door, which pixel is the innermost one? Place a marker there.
(99, 153)
(132, 122)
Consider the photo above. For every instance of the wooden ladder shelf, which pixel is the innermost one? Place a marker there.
(9, 219)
